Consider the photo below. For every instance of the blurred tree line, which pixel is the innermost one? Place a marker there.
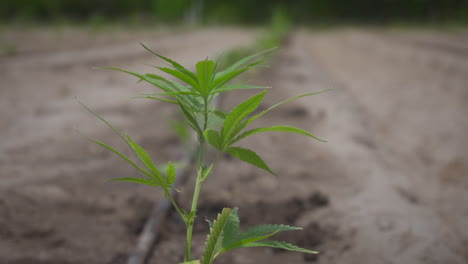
(239, 11)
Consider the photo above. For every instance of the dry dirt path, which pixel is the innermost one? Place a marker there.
(56, 206)
(398, 120)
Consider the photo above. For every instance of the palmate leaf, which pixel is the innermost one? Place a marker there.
(255, 117)
(288, 129)
(172, 88)
(254, 236)
(257, 233)
(144, 157)
(222, 80)
(192, 121)
(174, 64)
(181, 76)
(232, 87)
(127, 159)
(278, 244)
(249, 156)
(214, 240)
(235, 117)
(191, 262)
(155, 80)
(242, 61)
(144, 181)
(157, 98)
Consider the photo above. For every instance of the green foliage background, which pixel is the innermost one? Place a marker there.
(241, 11)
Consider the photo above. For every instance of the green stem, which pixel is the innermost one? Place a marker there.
(200, 177)
(174, 203)
(196, 194)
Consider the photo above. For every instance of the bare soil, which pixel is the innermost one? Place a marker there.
(390, 186)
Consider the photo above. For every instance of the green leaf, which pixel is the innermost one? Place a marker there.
(231, 229)
(262, 232)
(232, 87)
(255, 234)
(238, 114)
(205, 70)
(212, 136)
(156, 98)
(288, 129)
(243, 61)
(214, 240)
(219, 113)
(192, 262)
(172, 93)
(250, 120)
(278, 244)
(102, 119)
(181, 76)
(170, 173)
(155, 80)
(190, 118)
(144, 181)
(145, 159)
(255, 117)
(222, 80)
(174, 64)
(131, 162)
(249, 156)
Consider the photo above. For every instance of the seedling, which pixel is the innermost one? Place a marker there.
(193, 93)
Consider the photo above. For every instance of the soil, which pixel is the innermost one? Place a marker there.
(389, 186)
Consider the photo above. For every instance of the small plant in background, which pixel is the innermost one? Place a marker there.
(193, 93)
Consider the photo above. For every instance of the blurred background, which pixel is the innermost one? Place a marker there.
(389, 186)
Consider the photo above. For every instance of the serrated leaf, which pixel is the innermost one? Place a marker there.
(278, 244)
(157, 98)
(222, 80)
(232, 87)
(231, 229)
(170, 173)
(262, 232)
(127, 159)
(144, 157)
(155, 80)
(102, 119)
(249, 156)
(144, 181)
(214, 240)
(174, 64)
(255, 117)
(212, 136)
(255, 234)
(237, 114)
(250, 120)
(219, 113)
(173, 93)
(288, 129)
(192, 262)
(190, 118)
(205, 71)
(181, 76)
(243, 61)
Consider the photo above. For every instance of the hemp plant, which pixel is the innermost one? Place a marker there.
(193, 93)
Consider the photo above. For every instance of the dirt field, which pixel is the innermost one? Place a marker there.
(390, 186)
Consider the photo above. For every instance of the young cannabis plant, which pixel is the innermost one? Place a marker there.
(194, 93)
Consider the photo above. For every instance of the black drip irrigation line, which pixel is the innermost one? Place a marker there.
(150, 233)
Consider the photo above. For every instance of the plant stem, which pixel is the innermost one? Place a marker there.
(200, 177)
(196, 194)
